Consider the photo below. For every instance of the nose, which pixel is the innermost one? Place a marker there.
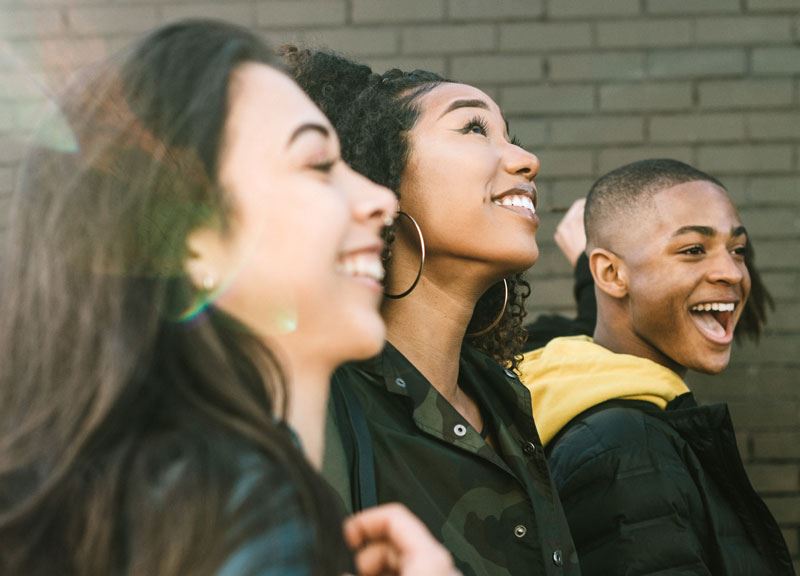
(519, 161)
(728, 269)
(371, 202)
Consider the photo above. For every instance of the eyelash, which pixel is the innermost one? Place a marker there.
(476, 121)
(325, 166)
(698, 249)
(695, 250)
(479, 122)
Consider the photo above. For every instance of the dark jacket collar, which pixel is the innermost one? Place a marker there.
(479, 373)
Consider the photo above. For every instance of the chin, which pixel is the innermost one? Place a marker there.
(532, 259)
(521, 261)
(712, 364)
(370, 339)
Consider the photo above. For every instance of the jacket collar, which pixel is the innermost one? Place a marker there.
(497, 391)
(479, 373)
(571, 375)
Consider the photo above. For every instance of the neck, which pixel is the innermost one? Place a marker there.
(428, 327)
(308, 381)
(615, 333)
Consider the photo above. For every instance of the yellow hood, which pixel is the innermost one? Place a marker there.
(573, 374)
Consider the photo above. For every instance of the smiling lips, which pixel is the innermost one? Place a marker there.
(361, 264)
(520, 199)
(715, 320)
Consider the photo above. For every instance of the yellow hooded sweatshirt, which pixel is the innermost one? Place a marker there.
(572, 374)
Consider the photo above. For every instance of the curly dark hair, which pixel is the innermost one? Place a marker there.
(373, 114)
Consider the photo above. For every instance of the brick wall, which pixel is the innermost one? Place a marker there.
(588, 86)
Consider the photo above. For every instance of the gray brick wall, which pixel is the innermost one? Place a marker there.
(588, 86)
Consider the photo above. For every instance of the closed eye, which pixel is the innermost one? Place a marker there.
(325, 166)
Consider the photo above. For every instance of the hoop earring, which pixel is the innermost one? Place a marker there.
(496, 321)
(421, 261)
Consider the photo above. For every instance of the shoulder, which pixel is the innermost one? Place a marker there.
(622, 466)
(612, 425)
(230, 470)
(265, 504)
(245, 503)
(612, 438)
(356, 385)
(374, 384)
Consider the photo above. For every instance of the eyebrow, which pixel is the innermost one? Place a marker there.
(708, 231)
(303, 128)
(473, 103)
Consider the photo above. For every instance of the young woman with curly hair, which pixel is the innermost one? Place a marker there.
(439, 421)
(184, 268)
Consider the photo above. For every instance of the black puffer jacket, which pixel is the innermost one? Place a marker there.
(663, 492)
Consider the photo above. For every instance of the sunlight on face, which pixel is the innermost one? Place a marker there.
(468, 184)
(302, 258)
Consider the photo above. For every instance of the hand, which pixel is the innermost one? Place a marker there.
(389, 540)
(570, 234)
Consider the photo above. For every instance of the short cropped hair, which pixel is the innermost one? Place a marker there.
(618, 194)
(615, 197)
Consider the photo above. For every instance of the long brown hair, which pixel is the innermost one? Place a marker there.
(122, 419)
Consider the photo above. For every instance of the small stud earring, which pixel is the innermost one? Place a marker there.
(388, 221)
(208, 282)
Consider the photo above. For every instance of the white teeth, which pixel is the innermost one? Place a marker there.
(715, 306)
(519, 201)
(367, 265)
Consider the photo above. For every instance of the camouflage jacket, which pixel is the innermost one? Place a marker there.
(495, 509)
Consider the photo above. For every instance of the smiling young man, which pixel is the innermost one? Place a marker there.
(650, 481)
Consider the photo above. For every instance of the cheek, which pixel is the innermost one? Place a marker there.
(444, 166)
(293, 252)
(652, 306)
(309, 249)
(446, 200)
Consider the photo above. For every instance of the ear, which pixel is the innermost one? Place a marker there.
(609, 272)
(205, 262)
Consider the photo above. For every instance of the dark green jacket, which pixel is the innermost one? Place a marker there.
(394, 438)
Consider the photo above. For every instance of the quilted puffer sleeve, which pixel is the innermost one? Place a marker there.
(629, 499)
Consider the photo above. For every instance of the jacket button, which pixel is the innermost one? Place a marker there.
(460, 430)
(529, 448)
(520, 530)
(558, 559)
(400, 382)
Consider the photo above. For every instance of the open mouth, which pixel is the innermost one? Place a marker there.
(520, 199)
(364, 265)
(715, 320)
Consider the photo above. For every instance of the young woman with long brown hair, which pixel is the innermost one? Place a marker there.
(184, 269)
